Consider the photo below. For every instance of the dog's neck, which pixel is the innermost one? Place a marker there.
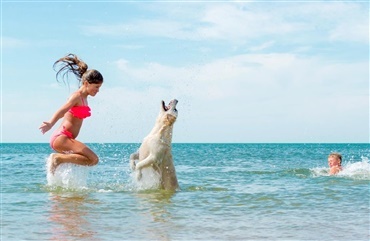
(166, 142)
(165, 132)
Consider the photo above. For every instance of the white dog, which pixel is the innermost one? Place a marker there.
(155, 151)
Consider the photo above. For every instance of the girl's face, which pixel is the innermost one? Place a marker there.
(333, 161)
(93, 89)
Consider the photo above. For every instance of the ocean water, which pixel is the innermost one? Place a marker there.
(228, 192)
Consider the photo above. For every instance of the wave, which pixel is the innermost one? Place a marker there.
(358, 170)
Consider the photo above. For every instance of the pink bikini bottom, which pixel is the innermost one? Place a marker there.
(60, 132)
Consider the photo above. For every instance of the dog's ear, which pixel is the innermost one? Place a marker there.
(170, 119)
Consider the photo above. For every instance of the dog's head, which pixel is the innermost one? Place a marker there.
(169, 113)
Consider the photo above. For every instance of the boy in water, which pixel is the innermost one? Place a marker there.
(335, 163)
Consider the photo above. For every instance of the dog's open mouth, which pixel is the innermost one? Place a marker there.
(171, 104)
(165, 108)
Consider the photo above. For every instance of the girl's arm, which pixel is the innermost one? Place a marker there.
(47, 125)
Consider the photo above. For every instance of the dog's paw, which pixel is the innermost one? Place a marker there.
(132, 165)
(134, 156)
(138, 175)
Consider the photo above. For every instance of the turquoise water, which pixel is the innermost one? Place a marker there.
(228, 192)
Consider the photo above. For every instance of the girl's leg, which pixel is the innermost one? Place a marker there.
(72, 151)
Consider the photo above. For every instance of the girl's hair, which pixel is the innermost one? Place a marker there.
(336, 155)
(71, 63)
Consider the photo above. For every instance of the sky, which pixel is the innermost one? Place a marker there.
(243, 71)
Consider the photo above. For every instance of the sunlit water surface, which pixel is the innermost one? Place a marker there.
(228, 192)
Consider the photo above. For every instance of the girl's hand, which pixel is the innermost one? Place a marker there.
(45, 126)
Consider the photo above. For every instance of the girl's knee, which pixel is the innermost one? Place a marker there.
(94, 161)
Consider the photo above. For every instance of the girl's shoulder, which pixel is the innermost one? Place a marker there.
(75, 97)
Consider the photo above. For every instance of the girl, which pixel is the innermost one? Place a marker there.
(63, 141)
(335, 163)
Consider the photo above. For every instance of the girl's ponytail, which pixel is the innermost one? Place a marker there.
(70, 63)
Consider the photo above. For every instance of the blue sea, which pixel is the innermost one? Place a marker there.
(227, 192)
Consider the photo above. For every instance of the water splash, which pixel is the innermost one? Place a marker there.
(358, 170)
(319, 171)
(67, 175)
(72, 177)
(150, 180)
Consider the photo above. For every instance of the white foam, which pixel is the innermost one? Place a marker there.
(320, 171)
(68, 175)
(104, 191)
(356, 170)
(150, 179)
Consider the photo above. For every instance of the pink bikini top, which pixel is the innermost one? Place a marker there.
(80, 112)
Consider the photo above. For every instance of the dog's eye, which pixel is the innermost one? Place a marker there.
(175, 110)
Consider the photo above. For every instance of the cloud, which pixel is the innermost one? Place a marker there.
(259, 95)
(264, 72)
(242, 23)
(251, 74)
(9, 42)
(263, 46)
(328, 18)
(130, 46)
(151, 27)
(231, 22)
(351, 31)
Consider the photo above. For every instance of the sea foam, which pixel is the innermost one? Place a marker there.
(356, 170)
(68, 175)
(149, 180)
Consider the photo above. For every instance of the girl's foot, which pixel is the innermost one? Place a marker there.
(53, 163)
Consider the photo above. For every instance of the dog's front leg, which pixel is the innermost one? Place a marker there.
(144, 163)
(133, 157)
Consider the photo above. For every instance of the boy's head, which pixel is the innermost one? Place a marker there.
(334, 159)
